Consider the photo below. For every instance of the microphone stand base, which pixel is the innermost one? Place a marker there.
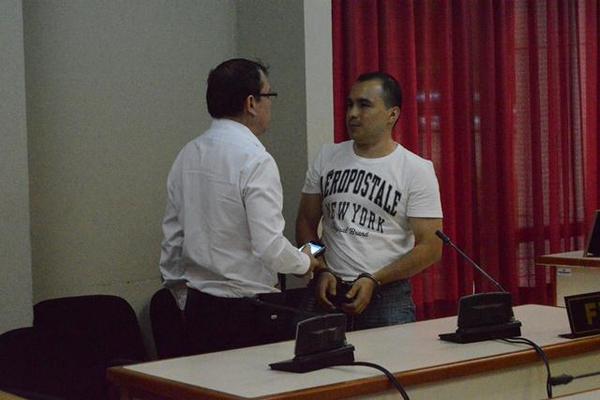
(312, 362)
(481, 333)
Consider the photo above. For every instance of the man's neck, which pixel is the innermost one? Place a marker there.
(246, 122)
(375, 150)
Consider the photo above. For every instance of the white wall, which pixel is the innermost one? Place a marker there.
(15, 250)
(318, 75)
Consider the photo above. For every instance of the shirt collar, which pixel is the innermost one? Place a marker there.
(237, 131)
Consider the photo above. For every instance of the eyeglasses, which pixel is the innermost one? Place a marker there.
(270, 94)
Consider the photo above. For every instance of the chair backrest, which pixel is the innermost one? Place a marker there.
(16, 348)
(167, 325)
(39, 365)
(105, 320)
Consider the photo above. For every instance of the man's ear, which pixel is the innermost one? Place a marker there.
(394, 114)
(250, 105)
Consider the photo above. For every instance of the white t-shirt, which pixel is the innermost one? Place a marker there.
(223, 227)
(366, 205)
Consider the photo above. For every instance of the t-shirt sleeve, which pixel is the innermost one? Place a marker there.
(312, 182)
(424, 193)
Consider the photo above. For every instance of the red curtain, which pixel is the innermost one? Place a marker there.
(503, 97)
(589, 33)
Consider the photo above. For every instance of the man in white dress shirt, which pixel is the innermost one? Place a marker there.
(223, 226)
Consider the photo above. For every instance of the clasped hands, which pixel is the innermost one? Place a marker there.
(354, 301)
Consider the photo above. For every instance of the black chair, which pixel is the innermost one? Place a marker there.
(88, 334)
(167, 325)
(35, 365)
(105, 320)
(282, 321)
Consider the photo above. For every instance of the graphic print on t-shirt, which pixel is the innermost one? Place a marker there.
(379, 200)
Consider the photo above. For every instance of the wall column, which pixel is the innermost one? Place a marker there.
(15, 247)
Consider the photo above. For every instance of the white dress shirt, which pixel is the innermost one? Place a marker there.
(223, 226)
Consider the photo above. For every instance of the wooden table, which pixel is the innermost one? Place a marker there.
(426, 366)
(569, 259)
(575, 274)
(9, 396)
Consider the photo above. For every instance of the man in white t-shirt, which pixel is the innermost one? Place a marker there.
(380, 207)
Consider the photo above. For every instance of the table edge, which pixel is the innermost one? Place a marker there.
(557, 259)
(141, 382)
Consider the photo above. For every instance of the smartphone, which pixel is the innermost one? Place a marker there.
(316, 248)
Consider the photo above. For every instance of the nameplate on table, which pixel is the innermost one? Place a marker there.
(584, 314)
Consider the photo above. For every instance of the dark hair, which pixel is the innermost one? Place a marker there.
(392, 94)
(230, 83)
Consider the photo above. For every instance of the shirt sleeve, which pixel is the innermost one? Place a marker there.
(312, 182)
(263, 200)
(171, 246)
(170, 265)
(424, 194)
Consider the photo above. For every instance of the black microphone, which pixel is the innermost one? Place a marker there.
(482, 316)
(449, 242)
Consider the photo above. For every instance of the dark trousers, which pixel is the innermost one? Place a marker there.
(219, 323)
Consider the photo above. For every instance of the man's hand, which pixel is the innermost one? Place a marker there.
(362, 291)
(315, 263)
(326, 284)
